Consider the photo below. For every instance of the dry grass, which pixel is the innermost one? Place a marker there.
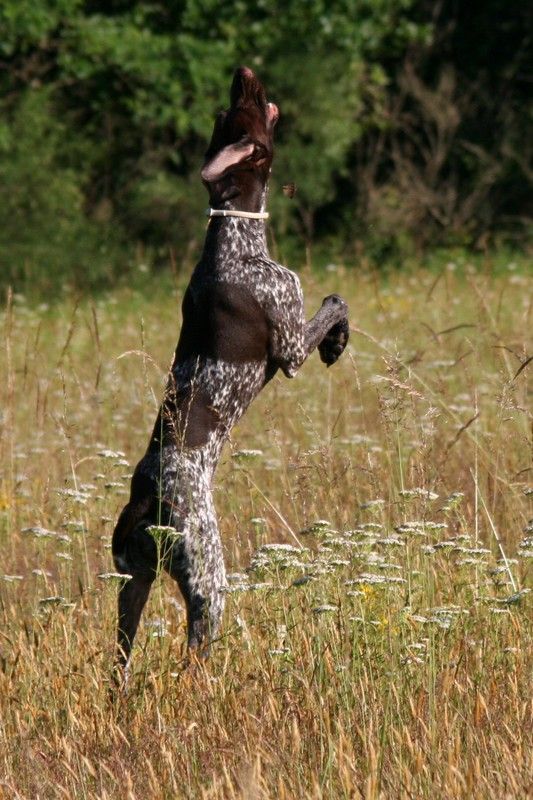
(391, 658)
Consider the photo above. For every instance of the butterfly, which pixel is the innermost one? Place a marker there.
(289, 190)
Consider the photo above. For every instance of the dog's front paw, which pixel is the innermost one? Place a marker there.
(332, 345)
(335, 300)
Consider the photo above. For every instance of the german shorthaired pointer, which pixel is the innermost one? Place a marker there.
(243, 319)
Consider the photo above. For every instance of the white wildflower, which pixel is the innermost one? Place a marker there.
(74, 525)
(246, 455)
(54, 600)
(111, 454)
(391, 541)
(39, 532)
(372, 504)
(325, 609)
(425, 494)
(165, 533)
(114, 577)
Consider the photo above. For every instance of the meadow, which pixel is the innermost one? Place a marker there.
(377, 520)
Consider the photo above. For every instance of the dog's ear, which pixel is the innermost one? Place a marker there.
(230, 156)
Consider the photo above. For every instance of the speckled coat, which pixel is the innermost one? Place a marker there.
(243, 319)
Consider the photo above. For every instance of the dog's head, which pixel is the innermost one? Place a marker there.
(238, 159)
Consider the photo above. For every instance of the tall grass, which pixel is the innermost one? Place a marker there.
(384, 652)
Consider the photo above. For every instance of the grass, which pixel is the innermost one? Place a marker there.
(388, 656)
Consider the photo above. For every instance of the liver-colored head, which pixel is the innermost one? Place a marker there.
(237, 161)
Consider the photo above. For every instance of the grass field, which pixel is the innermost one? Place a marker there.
(384, 652)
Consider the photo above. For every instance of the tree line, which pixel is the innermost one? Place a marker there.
(405, 124)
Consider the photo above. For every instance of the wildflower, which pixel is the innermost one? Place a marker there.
(411, 528)
(246, 455)
(158, 626)
(113, 485)
(54, 600)
(372, 504)
(424, 494)
(410, 660)
(165, 533)
(391, 540)
(114, 577)
(303, 580)
(370, 578)
(64, 556)
(317, 526)
(337, 562)
(111, 454)
(258, 522)
(236, 577)
(74, 525)
(75, 495)
(375, 558)
(449, 611)
(515, 598)
(12, 578)
(235, 587)
(325, 609)
(280, 547)
(370, 526)
(41, 573)
(39, 532)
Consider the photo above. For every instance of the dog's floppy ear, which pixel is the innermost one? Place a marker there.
(230, 156)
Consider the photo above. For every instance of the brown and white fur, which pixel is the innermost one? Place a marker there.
(243, 319)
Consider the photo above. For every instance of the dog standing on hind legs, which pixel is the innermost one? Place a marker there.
(243, 319)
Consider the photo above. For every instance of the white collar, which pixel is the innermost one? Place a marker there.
(223, 212)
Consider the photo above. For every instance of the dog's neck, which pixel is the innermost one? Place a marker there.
(240, 236)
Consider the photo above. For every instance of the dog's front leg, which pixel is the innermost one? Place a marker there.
(328, 330)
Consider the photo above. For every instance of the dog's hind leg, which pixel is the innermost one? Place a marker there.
(131, 601)
(196, 563)
(139, 559)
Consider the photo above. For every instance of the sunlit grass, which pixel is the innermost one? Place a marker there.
(377, 520)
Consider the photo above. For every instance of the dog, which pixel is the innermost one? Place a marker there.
(243, 320)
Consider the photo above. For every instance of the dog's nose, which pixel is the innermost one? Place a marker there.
(245, 72)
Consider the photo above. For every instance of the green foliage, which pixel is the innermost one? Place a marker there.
(107, 108)
(45, 238)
